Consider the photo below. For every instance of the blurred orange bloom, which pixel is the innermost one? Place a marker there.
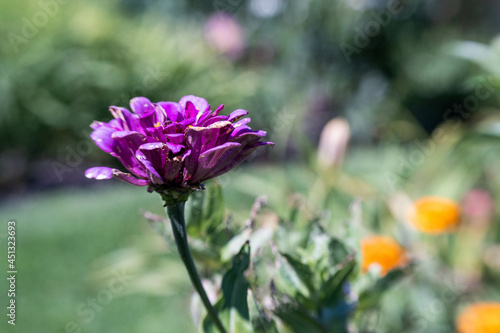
(480, 318)
(434, 215)
(381, 250)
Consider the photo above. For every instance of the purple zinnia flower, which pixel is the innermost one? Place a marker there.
(173, 147)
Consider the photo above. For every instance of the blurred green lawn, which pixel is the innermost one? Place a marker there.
(62, 233)
(59, 234)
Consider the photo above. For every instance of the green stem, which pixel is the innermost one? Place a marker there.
(176, 214)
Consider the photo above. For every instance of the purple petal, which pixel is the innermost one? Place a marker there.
(235, 115)
(241, 122)
(173, 111)
(148, 119)
(187, 122)
(175, 148)
(108, 173)
(99, 173)
(116, 124)
(240, 130)
(172, 170)
(156, 133)
(140, 105)
(215, 162)
(211, 160)
(217, 151)
(176, 138)
(129, 143)
(249, 139)
(201, 139)
(175, 128)
(130, 138)
(156, 153)
(96, 124)
(152, 174)
(127, 177)
(218, 110)
(230, 159)
(165, 168)
(191, 111)
(247, 136)
(202, 116)
(213, 120)
(200, 104)
(161, 115)
(128, 121)
(102, 137)
(186, 154)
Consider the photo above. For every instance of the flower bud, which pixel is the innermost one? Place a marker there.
(333, 143)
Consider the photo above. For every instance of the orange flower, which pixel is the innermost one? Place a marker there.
(434, 215)
(381, 250)
(480, 318)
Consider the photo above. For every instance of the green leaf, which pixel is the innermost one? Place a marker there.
(296, 318)
(303, 272)
(257, 237)
(205, 212)
(235, 285)
(289, 281)
(233, 307)
(234, 244)
(208, 256)
(214, 209)
(370, 297)
(194, 212)
(332, 287)
(337, 251)
(261, 322)
(323, 250)
(317, 245)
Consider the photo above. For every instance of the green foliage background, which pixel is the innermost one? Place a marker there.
(294, 75)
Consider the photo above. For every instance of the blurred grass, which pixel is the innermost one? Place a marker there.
(59, 235)
(93, 54)
(63, 234)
